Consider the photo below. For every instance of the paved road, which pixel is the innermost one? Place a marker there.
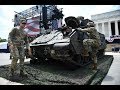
(112, 78)
(4, 60)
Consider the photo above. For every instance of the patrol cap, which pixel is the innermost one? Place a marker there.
(23, 21)
(90, 24)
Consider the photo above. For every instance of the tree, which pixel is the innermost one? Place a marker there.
(2, 40)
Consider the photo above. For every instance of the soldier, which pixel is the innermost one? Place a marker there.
(93, 42)
(16, 40)
(82, 23)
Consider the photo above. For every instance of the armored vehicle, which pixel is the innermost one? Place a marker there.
(64, 45)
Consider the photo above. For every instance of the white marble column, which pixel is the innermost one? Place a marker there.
(116, 27)
(109, 28)
(97, 27)
(103, 28)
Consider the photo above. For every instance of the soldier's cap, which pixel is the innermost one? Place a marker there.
(23, 21)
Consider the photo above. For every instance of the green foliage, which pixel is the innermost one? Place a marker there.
(2, 40)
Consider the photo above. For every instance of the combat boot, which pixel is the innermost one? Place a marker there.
(94, 66)
(22, 74)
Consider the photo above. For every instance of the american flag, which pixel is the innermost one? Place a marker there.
(32, 27)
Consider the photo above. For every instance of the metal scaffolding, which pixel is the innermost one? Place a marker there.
(45, 13)
(35, 11)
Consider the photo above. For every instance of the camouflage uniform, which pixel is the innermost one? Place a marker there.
(17, 38)
(9, 47)
(94, 42)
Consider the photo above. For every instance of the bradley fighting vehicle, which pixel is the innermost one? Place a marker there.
(64, 44)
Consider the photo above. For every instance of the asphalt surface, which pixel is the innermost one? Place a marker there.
(112, 78)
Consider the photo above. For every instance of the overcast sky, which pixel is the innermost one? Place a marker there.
(7, 13)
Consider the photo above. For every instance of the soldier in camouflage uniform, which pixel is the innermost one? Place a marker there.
(93, 42)
(16, 40)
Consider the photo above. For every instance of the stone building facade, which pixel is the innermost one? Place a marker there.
(107, 23)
